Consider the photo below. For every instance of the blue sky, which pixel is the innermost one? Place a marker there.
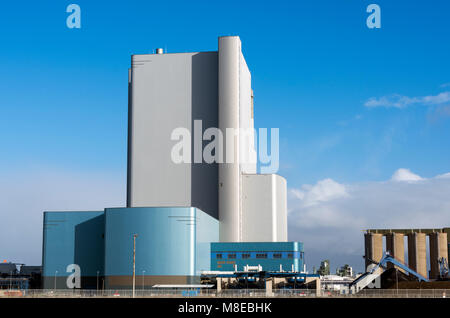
(315, 65)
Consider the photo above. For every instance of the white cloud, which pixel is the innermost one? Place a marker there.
(24, 196)
(330, 217)
(400, 101)
(405, 175)
(395, 100)
(323, 191)
(441, 98)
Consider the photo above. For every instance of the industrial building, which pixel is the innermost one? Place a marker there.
(264, 256)
(198, 92)
(180, 214)
(173, 246)
(417, 248)
(19, 276)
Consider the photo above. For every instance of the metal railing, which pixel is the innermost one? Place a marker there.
(226, 293)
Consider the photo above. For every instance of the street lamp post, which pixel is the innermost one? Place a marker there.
(396, 279)
(97, 281)
(54, 287)
(134, 263)
(143, 280)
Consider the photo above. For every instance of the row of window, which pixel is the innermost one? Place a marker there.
(259, 255)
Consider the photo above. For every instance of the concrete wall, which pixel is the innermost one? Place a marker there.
(417, 253)
(280, 192)
(264, 208)
(168, 91)
(395, 245)
(247, 152)
(438, 249)
(373, 248)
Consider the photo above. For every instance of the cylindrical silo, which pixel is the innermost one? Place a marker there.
(229, 174)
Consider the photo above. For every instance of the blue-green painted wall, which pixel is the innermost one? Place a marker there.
(73, 238)
(224, 256)
(171, 241)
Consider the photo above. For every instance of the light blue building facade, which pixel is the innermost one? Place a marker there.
(270, 256)
(72, 238)
(172, 246)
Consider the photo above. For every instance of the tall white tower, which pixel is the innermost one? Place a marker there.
(235, 113)
(229, 171)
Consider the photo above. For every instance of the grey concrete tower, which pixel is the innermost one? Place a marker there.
(417, 253)
(229, 171)
(438, 250)
(395, 245)
(169, 92)
(373, 248)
